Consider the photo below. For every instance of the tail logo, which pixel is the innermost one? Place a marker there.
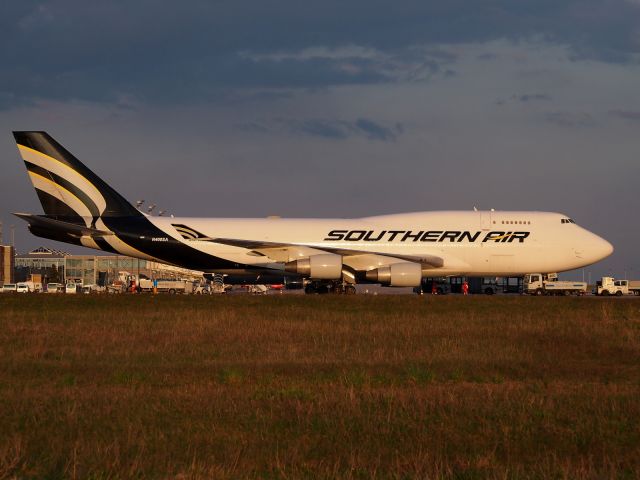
(189, 233)
(68, 187)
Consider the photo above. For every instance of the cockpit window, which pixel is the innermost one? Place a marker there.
(567, 220)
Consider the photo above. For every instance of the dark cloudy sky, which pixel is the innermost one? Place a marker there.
(335, 108)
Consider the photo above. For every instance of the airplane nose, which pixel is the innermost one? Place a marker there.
(601, 249)
(606, 248)
(593, 249)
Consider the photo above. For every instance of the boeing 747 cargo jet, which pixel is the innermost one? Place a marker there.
(393, 250)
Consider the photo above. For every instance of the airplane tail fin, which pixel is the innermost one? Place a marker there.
(67, 189)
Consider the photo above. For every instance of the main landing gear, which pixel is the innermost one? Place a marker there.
(329, 286)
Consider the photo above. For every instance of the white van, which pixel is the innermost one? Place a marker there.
(22, 287)
(53, 287)
(9, 288)
(70, 288)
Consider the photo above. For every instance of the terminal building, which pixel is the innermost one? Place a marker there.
(101, 270)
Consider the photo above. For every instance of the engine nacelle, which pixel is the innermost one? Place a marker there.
(324, 266)
(397, 275)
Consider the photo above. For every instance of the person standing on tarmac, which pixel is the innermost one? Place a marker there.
(465, 288)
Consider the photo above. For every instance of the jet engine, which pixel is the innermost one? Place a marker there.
(324, 266)
(397, 275)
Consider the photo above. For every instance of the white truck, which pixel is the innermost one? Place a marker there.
(168, 286)
(548, 284)
(610, 286)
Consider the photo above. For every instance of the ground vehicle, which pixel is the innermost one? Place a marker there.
(164, 285)
(610, 286)
(23, 287)
(31, 286)
(54, 287)
(9, 288)
(70, 288)
(548, 284)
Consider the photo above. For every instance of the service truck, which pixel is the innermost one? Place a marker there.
(163, 285)
(548, 284)
(610, 286)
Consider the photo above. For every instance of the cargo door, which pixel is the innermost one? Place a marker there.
(502, 264)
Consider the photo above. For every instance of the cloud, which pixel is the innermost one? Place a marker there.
(626, 114)
(532, 97)
(326, 128)
(570, 119)
(374, 131)
(525, 98)
(199, 51)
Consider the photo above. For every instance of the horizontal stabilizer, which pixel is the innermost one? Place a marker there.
(57, 226)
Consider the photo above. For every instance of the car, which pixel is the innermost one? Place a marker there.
(22, 287)
(70, 288)
(9, 288)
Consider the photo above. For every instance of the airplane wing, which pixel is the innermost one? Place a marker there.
(264, 247)
(72, 229)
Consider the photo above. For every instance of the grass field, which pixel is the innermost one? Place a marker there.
(319, 387)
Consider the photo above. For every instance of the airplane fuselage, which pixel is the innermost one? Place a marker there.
(471, 243)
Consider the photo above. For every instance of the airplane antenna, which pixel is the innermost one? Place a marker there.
(139, 204)
(475, 209)
(161, 213)
(151, 207)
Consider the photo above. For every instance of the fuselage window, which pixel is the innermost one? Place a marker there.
(518, 222)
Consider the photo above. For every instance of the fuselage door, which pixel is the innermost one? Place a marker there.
(485, 220)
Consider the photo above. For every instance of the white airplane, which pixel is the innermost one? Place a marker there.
(393, 250)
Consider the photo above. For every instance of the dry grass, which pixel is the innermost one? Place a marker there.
(329, 387)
